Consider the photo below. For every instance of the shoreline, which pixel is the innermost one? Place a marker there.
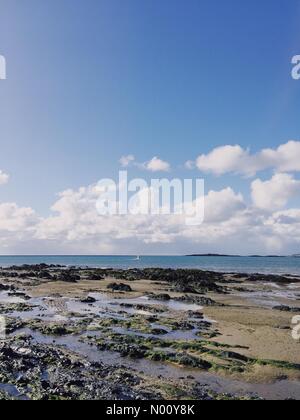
(212, 335)
(153, 267)
(261, 265)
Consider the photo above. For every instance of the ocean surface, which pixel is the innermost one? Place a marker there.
(266, 265)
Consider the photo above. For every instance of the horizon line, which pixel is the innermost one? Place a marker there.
(151, 255)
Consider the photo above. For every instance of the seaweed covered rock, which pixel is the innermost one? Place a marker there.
(283, 308)
(68, 277)
(44, 275)
(69, 377)
(162, 297)
(198, 300)
(182, 280)
(272, 278)
(190, 361)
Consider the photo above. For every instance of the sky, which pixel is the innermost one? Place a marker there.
(186, 89)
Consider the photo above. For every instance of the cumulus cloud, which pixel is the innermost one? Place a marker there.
(4, 178)
(17, 227)
(286, 217)
(286, 158)
(235, 159)
(16, 219)
(76, 220)
(222, 205)
(222, 160)
(274, 194)
(157, 165)
(230, 225)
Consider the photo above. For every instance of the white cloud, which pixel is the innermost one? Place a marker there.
(230, 226)
(4, 178)
(286, 158)
(235, 159)
(274, 193)
(125, 161)
(286, 217)
(77, 222)
(16, 219)
(17, 227)
(222, 205)
(157, 165)
(154, 165)
(222, 160)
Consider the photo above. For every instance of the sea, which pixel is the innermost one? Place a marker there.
(255, 264)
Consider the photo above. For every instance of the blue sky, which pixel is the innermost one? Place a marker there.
(91, 81)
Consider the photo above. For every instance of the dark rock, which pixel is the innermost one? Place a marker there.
(186, 281)
(6, 287)
(89, 299)
(95, 277)
(235, 356)
(19, 295)
(132, 351)
(159, 331)
(44, 275)
(284, 308)
(163, 297)
(68, 277)
(272, 279)
(190, 361)
(196, 315)
(119, 287)
(198, 300)
(23, 276)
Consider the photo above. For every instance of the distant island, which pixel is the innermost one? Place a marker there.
(212, 255)
(241, 256)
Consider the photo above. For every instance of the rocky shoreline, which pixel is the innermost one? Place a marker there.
(86, 333)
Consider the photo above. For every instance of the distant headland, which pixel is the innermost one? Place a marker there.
(243, 256)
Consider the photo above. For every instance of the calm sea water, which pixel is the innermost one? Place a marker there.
(281, 265)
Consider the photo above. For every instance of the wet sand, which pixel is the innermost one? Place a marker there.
(214, 333)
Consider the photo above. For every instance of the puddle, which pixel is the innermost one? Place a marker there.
(5, 298)
(270, 298)
(279, 390)
(12, 391)
(294, 286)
(53, 309)
(273, 285)
(173, 305)
(106, 306)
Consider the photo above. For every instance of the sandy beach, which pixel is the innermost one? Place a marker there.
(147, 334)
